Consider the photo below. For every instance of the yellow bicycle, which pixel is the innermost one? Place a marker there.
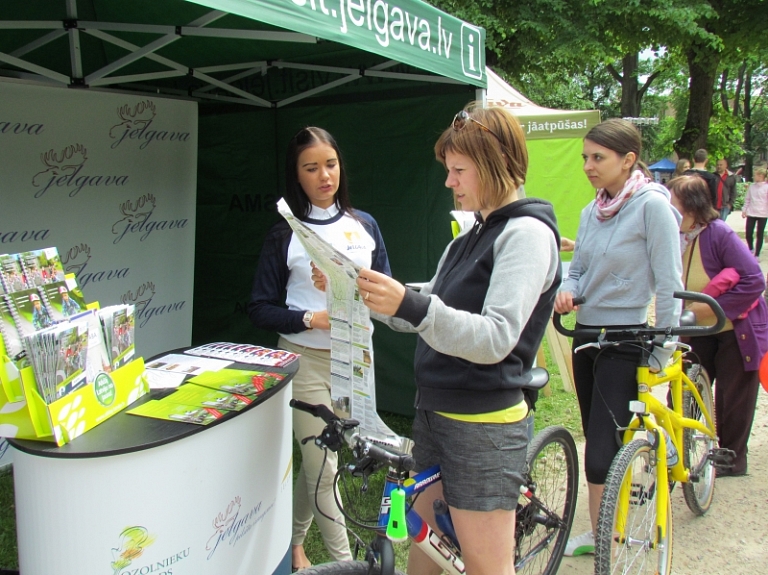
(634, 527)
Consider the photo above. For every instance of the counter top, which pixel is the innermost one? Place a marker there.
(125, 433)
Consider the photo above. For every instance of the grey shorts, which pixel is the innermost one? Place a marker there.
(482, 464)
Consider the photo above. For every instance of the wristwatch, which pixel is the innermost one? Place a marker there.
(307, 319)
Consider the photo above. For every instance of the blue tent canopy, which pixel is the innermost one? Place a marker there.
(664, 165)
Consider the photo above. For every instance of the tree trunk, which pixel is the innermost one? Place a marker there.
(702, 66)
(630, 102)
(749, 152)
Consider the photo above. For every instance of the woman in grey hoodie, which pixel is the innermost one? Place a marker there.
(627, 250)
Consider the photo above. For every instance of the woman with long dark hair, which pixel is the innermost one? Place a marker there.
(283, 299)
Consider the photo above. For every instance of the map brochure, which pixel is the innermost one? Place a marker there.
(353, 388)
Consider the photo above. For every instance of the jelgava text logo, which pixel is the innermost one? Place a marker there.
(147, 306)
(233, 524)
(140, 220)
(77, 260)
(66, 169)
(133, 544)
(139, 124)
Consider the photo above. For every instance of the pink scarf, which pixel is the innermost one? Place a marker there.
(607, 207)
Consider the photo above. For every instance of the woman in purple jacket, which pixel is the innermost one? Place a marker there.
(732, 356)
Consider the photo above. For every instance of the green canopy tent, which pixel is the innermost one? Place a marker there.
(385, 78)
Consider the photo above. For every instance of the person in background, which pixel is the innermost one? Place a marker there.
(699, 168)
(317, 193)
(480, 321)
(627, 251)
(726, 189)
(732, 356)
(756, 211)
(681, 167)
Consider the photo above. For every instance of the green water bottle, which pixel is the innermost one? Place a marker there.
(397, 532)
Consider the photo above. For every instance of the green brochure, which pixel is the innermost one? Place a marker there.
(238, 381)
(191, 394)
(161, 409)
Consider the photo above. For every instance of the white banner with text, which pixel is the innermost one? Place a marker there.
(109, 180)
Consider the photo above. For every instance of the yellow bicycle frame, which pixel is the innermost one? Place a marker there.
(655, 417)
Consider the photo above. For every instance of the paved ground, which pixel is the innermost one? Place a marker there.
(732, 538)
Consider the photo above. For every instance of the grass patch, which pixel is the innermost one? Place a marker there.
(9, 556)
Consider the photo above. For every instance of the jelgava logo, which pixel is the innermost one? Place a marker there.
(231, 526)
(76, 260)
(221, 523)
(138, 218)
(66, 169)
(133, 542)
(146, 306)
(137, 123)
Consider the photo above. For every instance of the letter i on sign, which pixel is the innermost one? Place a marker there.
(471, 49)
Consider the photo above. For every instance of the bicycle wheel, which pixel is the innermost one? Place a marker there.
(345, 568)
(696, 445)
(633, 469)
(541, 534)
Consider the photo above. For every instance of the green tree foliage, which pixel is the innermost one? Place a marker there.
(709, 69)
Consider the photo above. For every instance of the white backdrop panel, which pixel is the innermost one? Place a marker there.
(110, 181)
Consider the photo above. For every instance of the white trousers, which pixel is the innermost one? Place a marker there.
(312, 384)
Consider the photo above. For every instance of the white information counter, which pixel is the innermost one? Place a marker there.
(141, 496)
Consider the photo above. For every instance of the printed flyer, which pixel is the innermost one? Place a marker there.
(238, 381)
(353, 388)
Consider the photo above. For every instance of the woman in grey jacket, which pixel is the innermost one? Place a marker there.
(627, 250)
(480, 321)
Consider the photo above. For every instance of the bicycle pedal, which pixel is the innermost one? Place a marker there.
(638, 494)
(722, 458)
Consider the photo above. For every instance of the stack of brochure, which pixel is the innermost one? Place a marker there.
(245, 353)
(209, 396)
(58, 355)
(118, 323)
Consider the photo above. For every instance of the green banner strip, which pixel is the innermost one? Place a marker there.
(408, 31)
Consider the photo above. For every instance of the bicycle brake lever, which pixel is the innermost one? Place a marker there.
(308, 439)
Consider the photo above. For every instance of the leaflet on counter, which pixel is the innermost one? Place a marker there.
(353, 388)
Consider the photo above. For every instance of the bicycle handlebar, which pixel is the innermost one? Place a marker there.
(696, 330)
(346, 430)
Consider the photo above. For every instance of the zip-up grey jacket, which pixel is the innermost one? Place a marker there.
(619, 264)
(482, 317)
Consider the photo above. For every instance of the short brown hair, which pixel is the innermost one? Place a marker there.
(501, 157)
(695, 199)
(700, 156)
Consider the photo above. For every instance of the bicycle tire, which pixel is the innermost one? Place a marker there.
(634, 463)
(345, 568)
(696, 447)
(553, 468)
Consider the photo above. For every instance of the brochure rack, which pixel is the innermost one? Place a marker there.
(24, 414)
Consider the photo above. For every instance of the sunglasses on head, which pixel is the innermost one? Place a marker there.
(460, 121)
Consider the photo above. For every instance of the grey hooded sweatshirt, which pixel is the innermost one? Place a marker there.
(621, 263)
